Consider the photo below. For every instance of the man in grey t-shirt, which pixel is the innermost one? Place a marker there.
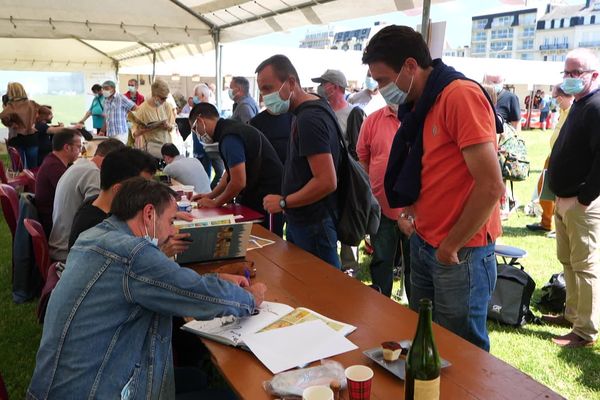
(80, 182)
(187, 171)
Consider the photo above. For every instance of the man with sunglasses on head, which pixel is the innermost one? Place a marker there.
(148, 135)
(574, 176)
(308, 196)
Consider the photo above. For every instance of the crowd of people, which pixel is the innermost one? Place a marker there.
(429, 149)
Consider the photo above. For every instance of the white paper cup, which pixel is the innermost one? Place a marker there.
(317, 393)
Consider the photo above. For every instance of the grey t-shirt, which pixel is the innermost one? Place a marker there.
(342, 117)
(189, 171)
(79, 182)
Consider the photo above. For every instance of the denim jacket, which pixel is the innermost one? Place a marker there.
(107, 333)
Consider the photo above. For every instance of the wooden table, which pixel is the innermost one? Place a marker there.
(297, 278)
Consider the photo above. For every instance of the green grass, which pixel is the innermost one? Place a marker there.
(66, 109)
(574, 373)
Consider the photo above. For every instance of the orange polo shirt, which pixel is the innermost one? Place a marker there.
(461, 117)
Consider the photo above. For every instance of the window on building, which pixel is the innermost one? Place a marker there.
(527, 44)
(505, 20)
(562, 23)
(552, 24)
(480, 23)
(479, 48)
(529, 31)
(479, 36)
(592, 20)
(527, 19)
(546, 41)
(526, 56)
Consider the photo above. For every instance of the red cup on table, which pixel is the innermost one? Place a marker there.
(359, 379)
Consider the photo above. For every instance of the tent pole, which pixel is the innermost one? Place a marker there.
(425, 19)
(216, 35)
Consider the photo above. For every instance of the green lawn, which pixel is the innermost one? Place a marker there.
(574, 374)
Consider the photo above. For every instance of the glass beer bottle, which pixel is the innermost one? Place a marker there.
(422, 381)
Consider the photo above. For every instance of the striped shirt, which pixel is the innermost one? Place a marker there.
(116, 108)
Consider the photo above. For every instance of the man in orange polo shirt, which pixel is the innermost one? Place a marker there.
(443, 168)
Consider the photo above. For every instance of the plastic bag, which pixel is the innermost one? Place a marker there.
(292, 383)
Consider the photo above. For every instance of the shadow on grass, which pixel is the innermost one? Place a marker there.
(585, 360)
(518, 231)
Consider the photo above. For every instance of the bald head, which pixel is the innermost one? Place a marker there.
(581, 73)
(585, 58)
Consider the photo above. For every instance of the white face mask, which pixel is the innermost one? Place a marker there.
(107, 93)
(153, 240)
(203, 136)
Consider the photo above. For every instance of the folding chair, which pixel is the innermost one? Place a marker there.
(15, 159)
(49, 285)
(10, 207)
(15, 182)
(41, 250)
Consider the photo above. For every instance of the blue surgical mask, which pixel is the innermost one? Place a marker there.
(196, 100)
(321, 91)
(230, 93)
(203, 136)
(498, 87)
(371, 83)
(275, 104)
(132, 89)
(392, 93)
(572, 85)
(152, 240)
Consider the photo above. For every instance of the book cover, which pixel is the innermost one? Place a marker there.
(214, 240)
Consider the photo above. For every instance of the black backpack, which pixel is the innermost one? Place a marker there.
(511, 297)
(554, 295)
(359, 212)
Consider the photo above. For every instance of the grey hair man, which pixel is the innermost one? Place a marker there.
(244, 107)
(574, 176)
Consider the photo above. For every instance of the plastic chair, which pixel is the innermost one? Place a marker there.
(15, 159)
(3, 391)
(49, 286)
(20, 180)
(30, 180)
(41, 250)
(10, 207)
(509, 252)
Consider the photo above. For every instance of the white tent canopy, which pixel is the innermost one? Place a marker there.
(109, 34)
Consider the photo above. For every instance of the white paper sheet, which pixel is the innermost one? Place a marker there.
(285, 348)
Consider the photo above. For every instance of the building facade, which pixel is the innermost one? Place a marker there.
(504, 35)
(564, 28)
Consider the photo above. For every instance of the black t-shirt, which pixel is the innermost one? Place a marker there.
(314, 132)
(277, 129)
(508, 106)
(44, 141)
(86, 217)
(574, 168)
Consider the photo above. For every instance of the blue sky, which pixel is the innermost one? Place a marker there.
(457, 15)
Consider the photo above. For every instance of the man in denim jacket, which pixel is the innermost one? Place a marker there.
(108, 327)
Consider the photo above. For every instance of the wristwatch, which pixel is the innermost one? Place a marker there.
(282, 203)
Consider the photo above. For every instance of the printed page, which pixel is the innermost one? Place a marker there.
(208, 221)
(285, 348)
(231, 330)
(301, 315)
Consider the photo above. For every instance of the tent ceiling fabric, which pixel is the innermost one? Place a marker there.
(102, 33)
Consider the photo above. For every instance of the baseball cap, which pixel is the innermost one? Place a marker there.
(334, 76)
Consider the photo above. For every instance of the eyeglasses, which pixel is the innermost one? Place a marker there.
(575, 74)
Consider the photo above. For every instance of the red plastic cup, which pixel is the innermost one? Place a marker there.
(359, 379)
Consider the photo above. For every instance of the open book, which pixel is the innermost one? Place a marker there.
(231, 330)
(145, 125)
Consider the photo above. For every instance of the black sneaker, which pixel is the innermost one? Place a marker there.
(537, 227)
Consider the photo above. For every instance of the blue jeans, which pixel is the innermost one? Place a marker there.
(318, 238)
(460, 293)
(29, 156)
(386, 249)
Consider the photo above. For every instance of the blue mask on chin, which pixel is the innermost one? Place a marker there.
(196, 100)
(392, 94)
